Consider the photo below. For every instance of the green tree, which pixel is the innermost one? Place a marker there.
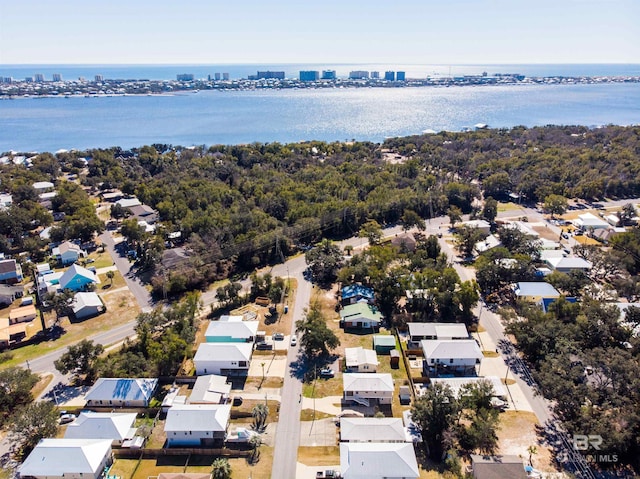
(455, 214)
(324, 261)
(490, 209)
(467, 296)
(110, 275)
(317, 338)
(435, 413)
(412, 219)
(15, 389)
(372, 231)
(466, 239)
(80, 359)
(497, 185)
(555, 205)
(31, 423)
(221, 469)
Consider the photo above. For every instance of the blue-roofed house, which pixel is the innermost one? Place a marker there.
(122, 392)
(544, 303)
(77, 278)
(356, 293)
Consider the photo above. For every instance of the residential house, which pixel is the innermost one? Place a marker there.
(143, 213)
(117, 427)
(43, 186)
(67, 458)
(361, 316)
(482, 225)
(223, 358)
(378, 460)
(497, 467)
(77, 278)
(128, 202)
(535, 291)
(368, 389)
(384, 343)
(6, 200)
(404, 242)
(197, 425)
(590, 222)
(372, 429)
(356, 293)
(10, 271)
(11, 333)
(490, 242)
(360, 360)
(569, 264)
(210, 389)
(232, 331)
(420, 331)
(67, 253)
(24, 314)
(8, 293)
(448, 356)
(121, 392)
(50, 282)
(87, 305)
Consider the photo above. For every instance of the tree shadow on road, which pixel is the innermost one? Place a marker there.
(306, 368)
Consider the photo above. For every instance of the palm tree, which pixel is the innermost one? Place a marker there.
(221, 469)
(532, 450)
(110, 275)
(255, 442)
(260, 413)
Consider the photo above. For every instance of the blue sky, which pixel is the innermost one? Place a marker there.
(304, 31)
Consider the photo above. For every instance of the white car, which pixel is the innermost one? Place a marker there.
(294, 340)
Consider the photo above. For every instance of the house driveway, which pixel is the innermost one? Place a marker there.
(322, 432)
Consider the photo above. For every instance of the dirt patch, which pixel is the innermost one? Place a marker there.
(319, 455)
(517, 433)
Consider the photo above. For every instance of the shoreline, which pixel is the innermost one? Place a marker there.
(111, 88)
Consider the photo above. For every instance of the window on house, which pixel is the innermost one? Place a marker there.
(450, 361)
(242, 364)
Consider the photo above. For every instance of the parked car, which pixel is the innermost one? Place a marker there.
(294, 340)
(327, 373)
(264, 346)
(237, 401)
(278, 336)
(67, 418)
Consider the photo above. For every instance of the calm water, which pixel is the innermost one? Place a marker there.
(210, 117)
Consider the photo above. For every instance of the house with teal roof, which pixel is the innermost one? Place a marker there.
(362, 316)
(77, 278)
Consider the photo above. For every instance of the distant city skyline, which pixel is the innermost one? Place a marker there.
(331, 31)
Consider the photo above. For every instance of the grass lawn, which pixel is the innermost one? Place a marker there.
(308, 415)
(507, 207)
(269, 382)
(248, 405)
(41, 385)
(241, 469)
(517, 431)
(123, 468)
(323, 387)
(106, 284)
(319, 455)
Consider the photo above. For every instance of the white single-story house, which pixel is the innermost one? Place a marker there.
(360, 360)
(588, 221)
(210, 389)
(223, 358)
(87, 305)
(523, 227)
(67, 458)
(232, 331)
(127, 392)
(535, 291)
(490, 242)
(116, 427)
(197, 424)
(548, 254)
(372, 429)
(420, 331)
(128, 202)
(568, 264)
(441, 356)
(378, 460)
(368, 389)
(23, 314)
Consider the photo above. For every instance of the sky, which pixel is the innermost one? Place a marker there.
(322, 31)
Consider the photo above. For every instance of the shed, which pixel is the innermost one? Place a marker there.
(383, 343)
(395, 358)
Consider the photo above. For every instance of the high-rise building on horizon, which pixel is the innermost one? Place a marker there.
(400, 76)
(328, 74)
(98, 78)
(268, 74)
(56, 77)
(359, 75)
(225, 76)
(217, 76)
(38, 77)
(390, 76)
(184, 77)
(375, 75)
(309, 75)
